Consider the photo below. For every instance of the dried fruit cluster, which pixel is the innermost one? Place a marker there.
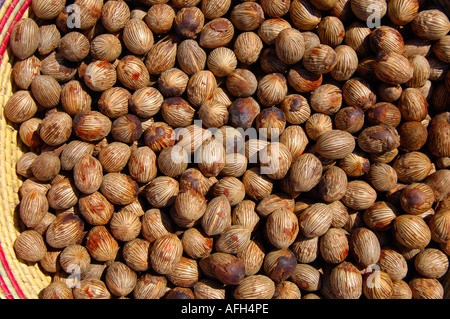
(145, 177)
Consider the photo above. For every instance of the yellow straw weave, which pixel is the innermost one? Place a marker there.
(24, 280)
(19, 279)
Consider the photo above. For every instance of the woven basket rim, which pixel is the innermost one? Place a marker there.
(18, 279)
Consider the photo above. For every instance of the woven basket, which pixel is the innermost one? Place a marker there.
(20, 280)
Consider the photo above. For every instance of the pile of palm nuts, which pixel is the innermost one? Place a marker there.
(270, 149)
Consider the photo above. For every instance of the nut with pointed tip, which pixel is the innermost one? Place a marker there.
(97, 290)
(232, 187)
(20, 107)
(119, 188)
(166, 253)
(88, 174)
(217, 216)
(162, 191)
(120, 279)
(132, 72)
(95, 208)
(65, 230)
(172, 82)
(247, 16)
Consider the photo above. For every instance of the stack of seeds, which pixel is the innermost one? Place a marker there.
(234, 149)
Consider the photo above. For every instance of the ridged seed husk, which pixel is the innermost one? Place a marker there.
(166, 252)
(119, 188)
(305, 172)
(331, 31)
(281, 228)
(378, 139)
(150, 286)
(155, 223)
(136, 35)
(74, 98)
(65, 230)
(255, 287)
(392, 68)
(227, 268)
(402, 12)
(120, 279)
(274, 202)
(88, 174)
(106, 47)
(95, 208)
(161, 56)
(24, 71)
(426, 288)
(307, 277)
(244, 214)
(252, 257)
(357, 92)
(91, 126)
(320, 59)
(132, 73)
(256, 184)
(334, 245)
(114, 157)
(359, 195)
(185, 274)
(57, 290)
(190, 206)
(114, 102)
(335, 144)
(347, 63)
(162, 191)
(411, 231)
(304, 15)
(275, 160)
(97, 290)
(438, 135)
(208, 289)
(377, 285)
(279, 264)
(333, 184)
(393, 263)
(142, 164)
(217, 216)
(100, 76)
(346, 281)
(380, 215)
(25, 38)
(30, 246)
(290, 46)
(430, 24)
(125, 226)
(74, 258)
(233, 239)
(364, 246)
(412, 167)
(431, 263)
(196, 243)
(315, 220)
(33, 207)
(20, 107)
